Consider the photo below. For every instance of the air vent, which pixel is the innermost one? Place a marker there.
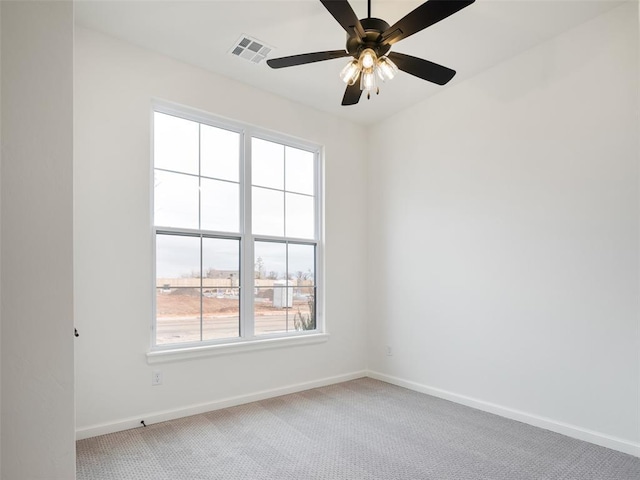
(250, 49)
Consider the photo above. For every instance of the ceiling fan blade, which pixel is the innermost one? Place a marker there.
(346, 17)
(430, 12)
(352, 94)
(424, 69)
(304, 58)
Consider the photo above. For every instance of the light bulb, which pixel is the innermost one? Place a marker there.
(386, 68)
(367, 58)
(350, 72)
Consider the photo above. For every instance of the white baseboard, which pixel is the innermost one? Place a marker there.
(573, 431)
(162, 416)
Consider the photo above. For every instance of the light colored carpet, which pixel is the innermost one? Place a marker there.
(363, 429)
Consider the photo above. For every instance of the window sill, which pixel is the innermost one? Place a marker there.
(189, 353)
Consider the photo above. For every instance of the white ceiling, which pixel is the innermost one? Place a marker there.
(202, 33)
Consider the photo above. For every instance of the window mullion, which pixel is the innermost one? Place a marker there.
(200, 228)
(247, 256)
(286, 283)
(318, 281)
(286, 251)
(201, 289)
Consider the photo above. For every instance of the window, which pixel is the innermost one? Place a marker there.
(236, 227)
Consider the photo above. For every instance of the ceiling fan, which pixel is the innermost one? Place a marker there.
(369, 41)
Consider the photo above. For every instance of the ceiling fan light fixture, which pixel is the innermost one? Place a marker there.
(386, 69)
(350, 72)
(368, 82)
(366, 67)
(368, 58)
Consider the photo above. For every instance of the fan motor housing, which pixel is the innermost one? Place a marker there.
(373, 28)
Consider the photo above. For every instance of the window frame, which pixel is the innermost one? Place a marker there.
(247, 239)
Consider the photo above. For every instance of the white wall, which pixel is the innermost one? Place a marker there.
(36, 223)
(504, 244)
(114, 86)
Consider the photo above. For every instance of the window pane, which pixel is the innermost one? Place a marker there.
(220, 318)
(302, 274)
(178, 298)
(270, 261)
(273, 297)
(267, 164)
(177, 315)
(175, 143)
(176, 200)
(300, 216)
(220, 262)
(220, 154)
(303, 311)
(270, 306)
(220, 313)
(220, 205)
(299, 171)
(177, 261)
(268, 212)
(302, 264)
(221, 295)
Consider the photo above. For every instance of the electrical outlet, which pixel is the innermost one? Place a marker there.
(156, 378)
(389, 351)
